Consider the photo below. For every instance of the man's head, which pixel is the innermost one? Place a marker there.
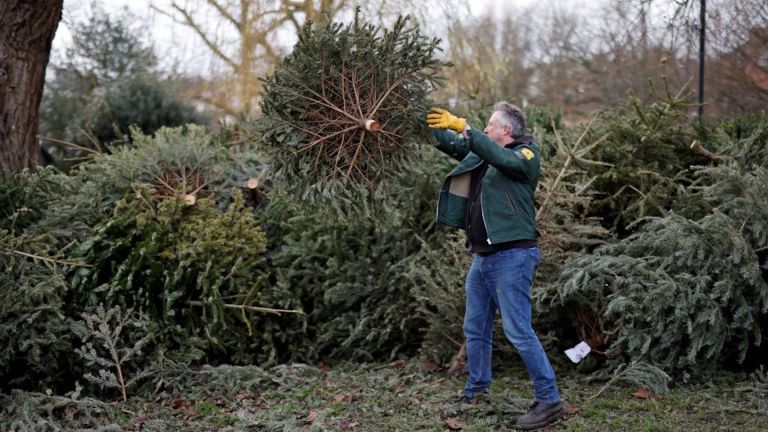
(506, 123)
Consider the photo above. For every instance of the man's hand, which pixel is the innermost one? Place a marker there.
(439, 118)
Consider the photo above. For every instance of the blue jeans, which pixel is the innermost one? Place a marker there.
(503, 280)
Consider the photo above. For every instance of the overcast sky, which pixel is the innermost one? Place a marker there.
(177, 45)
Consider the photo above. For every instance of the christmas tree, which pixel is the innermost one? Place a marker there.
(343, 114)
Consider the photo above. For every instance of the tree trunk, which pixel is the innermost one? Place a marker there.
(27, 28)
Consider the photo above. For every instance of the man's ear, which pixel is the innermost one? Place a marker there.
(507, 130)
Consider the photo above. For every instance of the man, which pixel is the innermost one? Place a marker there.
(490, 195)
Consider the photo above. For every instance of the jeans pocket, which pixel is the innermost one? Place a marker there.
(534, 258)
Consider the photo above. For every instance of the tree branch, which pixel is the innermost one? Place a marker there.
(224, 13)
(197, 29)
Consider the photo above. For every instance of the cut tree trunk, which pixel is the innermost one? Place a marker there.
(27, 28)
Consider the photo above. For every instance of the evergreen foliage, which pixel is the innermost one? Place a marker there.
(35, 332)
(32, 283)
(742, 138)
(25, 195)
(686, 292)
(176, 242)
(106, 82)
(182, 265)
(647, 153)
(111, 330)
(350, 280)
(144, 101)
(438, 273)
(641, 374)
(680, 294)
(160, 227)
(173, 162)
(23, 411)
(319, 99)
(565, 191)
(353, 280)
(224, 381)
(739, 193)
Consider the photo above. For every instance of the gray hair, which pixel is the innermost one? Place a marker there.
(513, 116)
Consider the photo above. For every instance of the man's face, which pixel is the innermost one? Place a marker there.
(497, 130)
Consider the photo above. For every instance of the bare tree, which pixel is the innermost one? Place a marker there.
(491, 57)
(736, 50)
(256, 25)
(738, 37)
(27, 28)
(563, 77)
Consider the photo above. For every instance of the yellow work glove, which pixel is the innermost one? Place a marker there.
(439, 118)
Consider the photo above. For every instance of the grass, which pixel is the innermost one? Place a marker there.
(370, 397)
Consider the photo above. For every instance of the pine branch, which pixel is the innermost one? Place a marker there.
(649, 376)
(248, 307)
(107, 326)
(49, 260)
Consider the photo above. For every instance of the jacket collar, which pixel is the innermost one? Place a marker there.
(522, 140)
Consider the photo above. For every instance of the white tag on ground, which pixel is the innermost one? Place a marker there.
(577, 353)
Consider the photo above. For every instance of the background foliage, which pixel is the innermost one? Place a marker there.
(106, 82)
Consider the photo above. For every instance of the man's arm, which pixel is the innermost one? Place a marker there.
(517, 164)
(451, 143)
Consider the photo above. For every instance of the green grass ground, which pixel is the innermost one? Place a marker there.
(366, 398)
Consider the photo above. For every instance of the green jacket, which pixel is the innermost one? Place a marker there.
(506, 198)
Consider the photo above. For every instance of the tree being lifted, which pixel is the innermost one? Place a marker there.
(343, 113)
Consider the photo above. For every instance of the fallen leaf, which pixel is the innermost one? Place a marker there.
(455, 423)
(437, 381)
(311, 417)
(642, 393)
(429, 367)
(347, 424)
(324, 367)
(571, 410)
(400, 388)
(399, 363)
(417, 398)
(342, 398)
(177, 403)
(190, 413)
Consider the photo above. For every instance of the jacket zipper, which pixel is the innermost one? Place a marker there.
(482, 212)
